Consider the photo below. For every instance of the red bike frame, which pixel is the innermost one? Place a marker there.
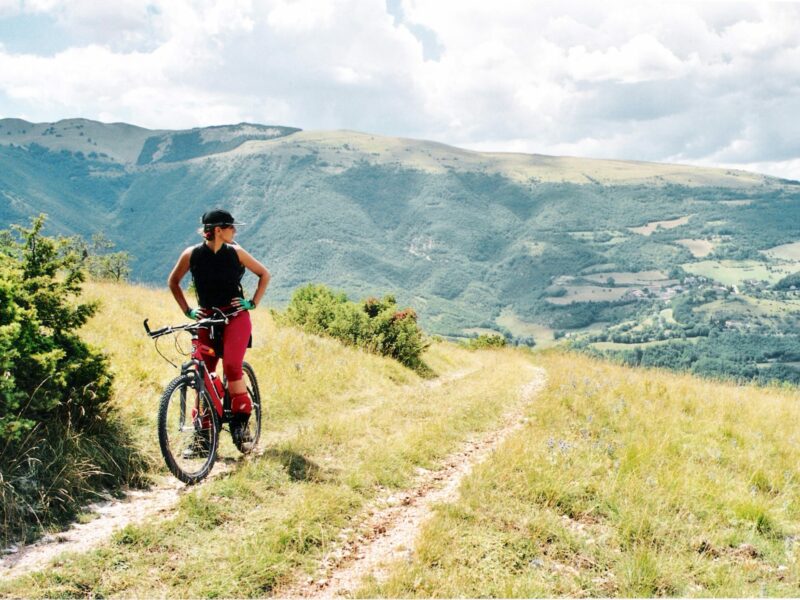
(196, 368)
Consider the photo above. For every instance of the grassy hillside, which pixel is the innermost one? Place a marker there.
(623, 482)
(342, 427)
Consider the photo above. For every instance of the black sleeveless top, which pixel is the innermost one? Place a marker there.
(217, 277)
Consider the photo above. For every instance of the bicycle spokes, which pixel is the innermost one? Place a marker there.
(187, 430)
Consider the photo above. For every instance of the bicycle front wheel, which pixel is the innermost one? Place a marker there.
(188, 431)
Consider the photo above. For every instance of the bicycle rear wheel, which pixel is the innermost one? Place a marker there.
(188, 431)
(248, 440)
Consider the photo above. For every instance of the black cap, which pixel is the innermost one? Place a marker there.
(219, 217)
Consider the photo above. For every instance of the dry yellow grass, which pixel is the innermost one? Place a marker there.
(343, 427)
(625, 482)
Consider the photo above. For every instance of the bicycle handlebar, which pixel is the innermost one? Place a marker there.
(200, 324)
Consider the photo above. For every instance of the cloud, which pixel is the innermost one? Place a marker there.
(697, 82)
(642, 58)
(9, 8)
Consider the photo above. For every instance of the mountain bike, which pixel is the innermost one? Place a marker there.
(196, 404)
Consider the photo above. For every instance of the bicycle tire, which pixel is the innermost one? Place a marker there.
(256, 415)
(189, 448)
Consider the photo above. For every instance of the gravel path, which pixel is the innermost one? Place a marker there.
(111, 516)
(393, 524)
(135, 507)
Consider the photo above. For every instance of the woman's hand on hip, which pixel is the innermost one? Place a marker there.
(242, 304)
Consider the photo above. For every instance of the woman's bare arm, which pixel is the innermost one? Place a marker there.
(257, 269)
(174, 280)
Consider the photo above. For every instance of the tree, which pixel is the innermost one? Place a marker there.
(99, 260)
(59, 438)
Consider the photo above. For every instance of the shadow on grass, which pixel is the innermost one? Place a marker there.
(297, 466)
(424, 371)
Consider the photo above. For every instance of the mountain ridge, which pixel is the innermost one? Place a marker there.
(20, 131)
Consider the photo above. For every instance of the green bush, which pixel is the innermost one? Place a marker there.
(486, 341)
(60, 443)
(375, 325)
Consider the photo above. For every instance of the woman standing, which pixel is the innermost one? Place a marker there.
(217, 266)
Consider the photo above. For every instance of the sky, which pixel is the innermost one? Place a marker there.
(697, 82)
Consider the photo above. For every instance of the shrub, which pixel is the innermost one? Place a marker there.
(374, 324)
(60, 442)
(486, 341)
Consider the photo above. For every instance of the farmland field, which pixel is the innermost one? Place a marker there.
(628, 278)
(760, 307)
(734, 272)
(649, 228)
(698, 248)
(589, 293)
(785, 252)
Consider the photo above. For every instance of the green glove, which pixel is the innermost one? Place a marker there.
(245, 304)
(193, 313)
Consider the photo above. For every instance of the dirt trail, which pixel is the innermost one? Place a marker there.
(110, 517)
(393, 524)
(135, 507)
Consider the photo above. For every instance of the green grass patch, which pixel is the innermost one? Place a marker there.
(624, 483)
(735, 272)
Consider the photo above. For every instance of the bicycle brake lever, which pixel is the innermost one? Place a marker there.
(146, 326)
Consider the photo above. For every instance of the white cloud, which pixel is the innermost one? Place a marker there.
(10, 8)
(643, 58)
(301, 16)
(686, 81)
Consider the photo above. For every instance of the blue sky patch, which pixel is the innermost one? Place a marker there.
(33, 34)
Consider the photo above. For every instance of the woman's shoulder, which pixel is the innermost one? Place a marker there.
(192, 252)
(189, 250)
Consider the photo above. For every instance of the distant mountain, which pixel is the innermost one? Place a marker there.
(530, 245)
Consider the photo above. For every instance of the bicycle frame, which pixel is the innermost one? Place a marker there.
(196, 368)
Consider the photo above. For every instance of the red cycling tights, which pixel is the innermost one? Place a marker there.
(234, 344)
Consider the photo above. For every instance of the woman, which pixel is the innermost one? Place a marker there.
(217, 266)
